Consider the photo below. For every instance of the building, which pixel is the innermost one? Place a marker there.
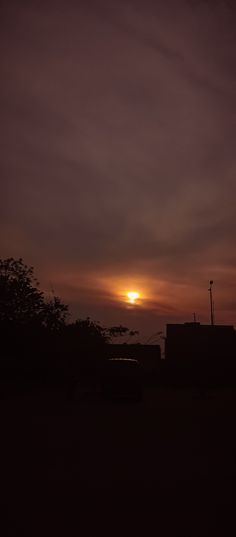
(195, 342)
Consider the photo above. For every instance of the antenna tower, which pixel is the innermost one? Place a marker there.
(211, 303)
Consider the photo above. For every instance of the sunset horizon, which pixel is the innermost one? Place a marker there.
(119, 162)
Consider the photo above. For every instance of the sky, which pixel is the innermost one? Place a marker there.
(118, 155)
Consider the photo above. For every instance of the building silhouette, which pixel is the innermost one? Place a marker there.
(195, 342)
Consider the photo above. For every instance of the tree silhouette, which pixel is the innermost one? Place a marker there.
(117, 331)
(21, 301)
(120, 331)
(87, 331)
(54, 314)
(131, 334)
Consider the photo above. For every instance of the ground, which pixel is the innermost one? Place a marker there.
(165, 466)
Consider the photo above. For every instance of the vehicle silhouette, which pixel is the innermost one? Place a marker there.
(122, 379)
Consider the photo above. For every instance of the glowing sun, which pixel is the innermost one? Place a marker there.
(133, 296)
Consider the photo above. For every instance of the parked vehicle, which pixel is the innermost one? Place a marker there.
(122, 379)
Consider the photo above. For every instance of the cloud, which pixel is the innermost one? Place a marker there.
(119, 158)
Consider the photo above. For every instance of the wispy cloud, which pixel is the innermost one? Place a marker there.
(119, 157)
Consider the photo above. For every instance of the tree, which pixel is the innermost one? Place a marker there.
(117, 331)
(131, 334)
(87, 332)
(121, 331)
(21, 301)
(54, 314)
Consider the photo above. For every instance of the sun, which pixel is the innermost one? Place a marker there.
(133, 296)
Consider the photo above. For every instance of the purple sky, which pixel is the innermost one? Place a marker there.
(118, 154)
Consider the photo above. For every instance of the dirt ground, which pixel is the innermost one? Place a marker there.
(164, 466)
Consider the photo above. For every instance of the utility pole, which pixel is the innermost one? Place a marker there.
(211, 303)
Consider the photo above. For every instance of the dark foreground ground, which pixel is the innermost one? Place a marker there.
(166, 466)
